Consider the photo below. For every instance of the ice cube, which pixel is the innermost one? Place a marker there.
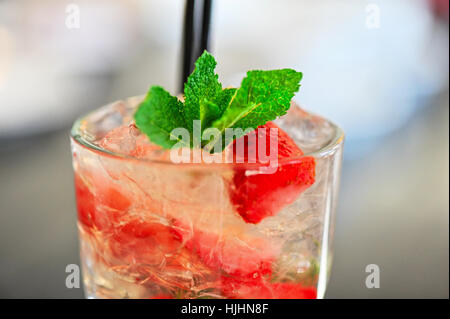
(310, 132)
(120, 140)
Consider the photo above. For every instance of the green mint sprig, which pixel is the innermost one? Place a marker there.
(262, 97)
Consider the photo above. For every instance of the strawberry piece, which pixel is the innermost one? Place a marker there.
(139, 241)
(102, 210)
(257, 196)
(114, 199)
(287, 290)
(238, 256)
(85, 202)
(260, 288)
(161, 296)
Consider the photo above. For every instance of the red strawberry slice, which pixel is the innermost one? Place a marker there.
(161, 296)
(139, 241)
(257, 196)
(103, 209)
(85, 202)
(260, 288)
(287, 290)
(230, 253)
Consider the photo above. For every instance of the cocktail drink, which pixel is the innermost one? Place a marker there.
(154, 227)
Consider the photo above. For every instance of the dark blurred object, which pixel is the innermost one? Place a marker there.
(440, 8)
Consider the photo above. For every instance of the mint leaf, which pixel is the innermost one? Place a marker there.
(225, 97)
(208, 113)
(158, 115)
(204, 97)
(262, 97)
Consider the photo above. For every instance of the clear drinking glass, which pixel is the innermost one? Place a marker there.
(150, 228)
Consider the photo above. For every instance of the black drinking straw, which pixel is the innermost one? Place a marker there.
(206, 22)
(197, 19)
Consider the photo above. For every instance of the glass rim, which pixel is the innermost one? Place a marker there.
(332, 145)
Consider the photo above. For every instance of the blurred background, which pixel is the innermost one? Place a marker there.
(379, 69)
